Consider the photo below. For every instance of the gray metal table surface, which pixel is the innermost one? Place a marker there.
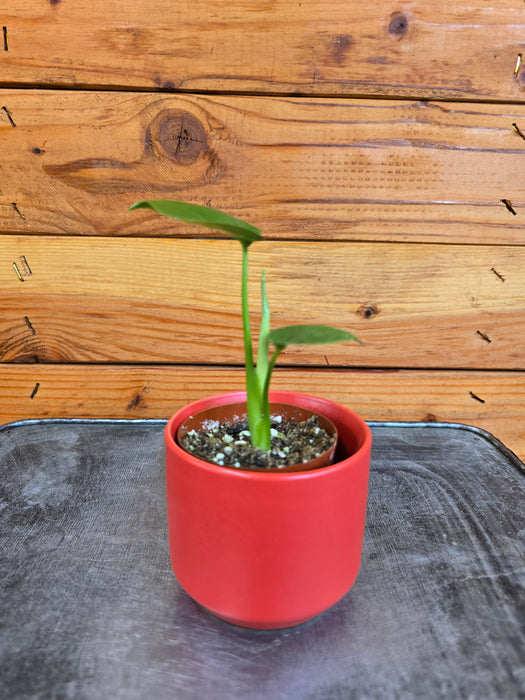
(91, 609)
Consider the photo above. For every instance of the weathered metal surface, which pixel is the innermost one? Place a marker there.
(91, 609)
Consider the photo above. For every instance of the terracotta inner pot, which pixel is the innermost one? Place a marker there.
(232, 412)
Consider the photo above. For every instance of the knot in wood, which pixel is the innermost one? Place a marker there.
(398, 25)
(367, 311)
(179, 134)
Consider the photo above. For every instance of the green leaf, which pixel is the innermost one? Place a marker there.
(264, 332)
(204, 216)
(309, 335)
(263, 436)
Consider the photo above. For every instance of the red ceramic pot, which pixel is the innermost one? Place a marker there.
(266, 550)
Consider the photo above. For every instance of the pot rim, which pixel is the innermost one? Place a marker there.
(277, 397)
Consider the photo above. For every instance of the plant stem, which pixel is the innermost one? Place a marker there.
(265, 401)
(264, 332)
(261, 438)
(247, 333)
(253, 409)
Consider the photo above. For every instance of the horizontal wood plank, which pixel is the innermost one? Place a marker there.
(429, 49)
(73, 162)
(94, 299)
(493, 401)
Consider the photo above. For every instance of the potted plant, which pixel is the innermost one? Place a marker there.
(264, 546)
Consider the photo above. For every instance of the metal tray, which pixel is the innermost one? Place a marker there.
(90, 607)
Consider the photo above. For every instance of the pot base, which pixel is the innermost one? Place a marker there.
(263, 626)
(267, 626)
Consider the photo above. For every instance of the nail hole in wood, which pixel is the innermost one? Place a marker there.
(35, 389)
(492, 269)
(29, 325)
(518, 130)
(484, 336)
(518, 64)
(15, 207)
(509, 206)
(8, 113)
(25, 266)
(18, 273)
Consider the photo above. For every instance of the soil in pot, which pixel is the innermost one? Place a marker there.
(228, 443)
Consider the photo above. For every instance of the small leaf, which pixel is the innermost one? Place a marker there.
(205, 216)
(309, 335)
(264, 331)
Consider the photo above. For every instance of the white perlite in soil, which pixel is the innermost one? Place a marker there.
(228, 444)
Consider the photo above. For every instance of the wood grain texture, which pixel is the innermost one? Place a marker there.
(430, 49)
(72, 162)
(494, 401)
(93, 299)
(344, 181)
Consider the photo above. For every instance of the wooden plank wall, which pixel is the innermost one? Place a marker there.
(381, 148)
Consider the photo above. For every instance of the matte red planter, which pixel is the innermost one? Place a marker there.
(267, 550)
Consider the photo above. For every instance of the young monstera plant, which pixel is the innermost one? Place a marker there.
(258, 373)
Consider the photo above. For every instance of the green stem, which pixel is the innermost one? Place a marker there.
(248, 356)
(264, 332)
(278, 350)
(265, 401)
(252, 390)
